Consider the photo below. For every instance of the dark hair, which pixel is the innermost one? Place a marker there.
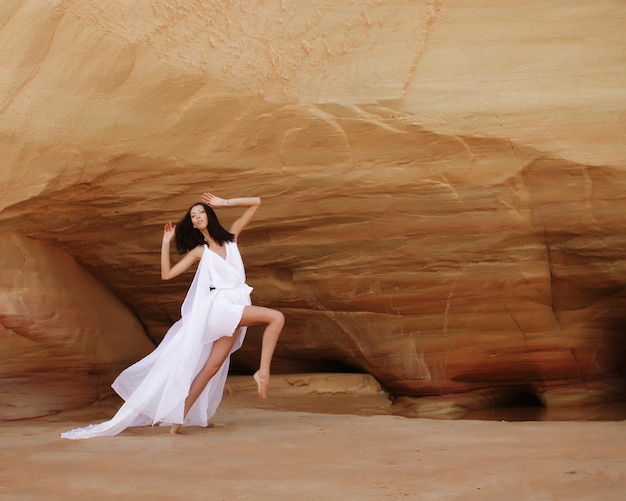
(188, 237)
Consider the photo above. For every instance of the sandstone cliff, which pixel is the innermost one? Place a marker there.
(443, 182)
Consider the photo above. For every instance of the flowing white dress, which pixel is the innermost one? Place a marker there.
(155, 388)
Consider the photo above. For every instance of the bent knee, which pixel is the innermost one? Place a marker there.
(278, 318)
(210, 369)
(256, 315)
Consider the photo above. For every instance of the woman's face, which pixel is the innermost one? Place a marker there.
(199, 217)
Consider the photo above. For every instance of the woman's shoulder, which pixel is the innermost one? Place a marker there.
(198, 250)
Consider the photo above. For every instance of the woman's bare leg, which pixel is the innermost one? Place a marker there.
(274, 321)
(219, 352)
(252, 315)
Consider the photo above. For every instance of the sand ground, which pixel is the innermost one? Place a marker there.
(256, 451)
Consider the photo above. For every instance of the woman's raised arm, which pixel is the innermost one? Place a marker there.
(168, 271)
(252, 204)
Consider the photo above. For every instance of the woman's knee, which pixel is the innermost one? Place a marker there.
(210, 369)
(275, 318)
(256, 315)
(278, 318)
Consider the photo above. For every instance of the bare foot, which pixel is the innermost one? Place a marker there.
(262, 383)
(175, 429)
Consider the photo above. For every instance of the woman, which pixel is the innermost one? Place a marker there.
(182, 381)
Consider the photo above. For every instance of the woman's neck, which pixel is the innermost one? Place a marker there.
(207, 238)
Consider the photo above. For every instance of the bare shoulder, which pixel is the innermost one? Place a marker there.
(197, 251)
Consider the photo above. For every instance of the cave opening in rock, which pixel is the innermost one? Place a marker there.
(512, 404)
(521, 397)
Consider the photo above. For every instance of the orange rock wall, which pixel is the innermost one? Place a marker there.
(64, 337)
(442, 182)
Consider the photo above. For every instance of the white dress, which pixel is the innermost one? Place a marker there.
(155, 388)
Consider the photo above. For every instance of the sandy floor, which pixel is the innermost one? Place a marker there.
(255, 453)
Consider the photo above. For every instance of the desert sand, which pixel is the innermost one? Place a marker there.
(262, 451)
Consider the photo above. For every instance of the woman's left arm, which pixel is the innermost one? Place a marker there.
(252, 204)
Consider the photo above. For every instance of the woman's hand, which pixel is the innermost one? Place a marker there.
(213, 201)
(169, 230)
(251, 204)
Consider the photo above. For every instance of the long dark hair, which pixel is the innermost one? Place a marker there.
(188, 237)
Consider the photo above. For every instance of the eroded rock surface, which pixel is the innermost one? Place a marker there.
(64, 337)
(443, 184)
